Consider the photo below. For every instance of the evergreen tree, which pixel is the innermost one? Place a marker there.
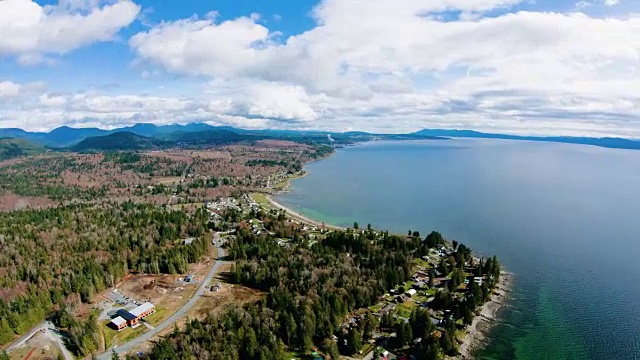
(331, 349)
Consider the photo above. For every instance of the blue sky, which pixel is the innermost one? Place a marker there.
(522, 67)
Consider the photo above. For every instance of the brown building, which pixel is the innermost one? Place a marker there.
(132, 317)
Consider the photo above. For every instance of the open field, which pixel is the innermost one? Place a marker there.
(188, 207)
(39, 346)
(168, 180)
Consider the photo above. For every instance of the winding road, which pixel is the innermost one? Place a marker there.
(124, 348)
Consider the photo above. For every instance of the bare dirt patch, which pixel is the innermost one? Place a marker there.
(215, 302)
(212, 154)
(10, 202)
(212, 302)
(39, 347)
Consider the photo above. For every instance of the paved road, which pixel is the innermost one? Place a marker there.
(124, 348)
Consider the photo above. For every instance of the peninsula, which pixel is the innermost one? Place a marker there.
(157, 236)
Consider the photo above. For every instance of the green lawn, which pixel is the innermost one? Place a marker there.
(404, 309)
(422, 263)
(366, 348)
(159, 316)
(377, 307)
(259, 198)
(407, 285)
(114, 337)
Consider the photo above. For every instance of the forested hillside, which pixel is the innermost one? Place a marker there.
(55, 258)
(12, 148)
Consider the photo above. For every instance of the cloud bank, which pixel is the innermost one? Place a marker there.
(377, 65)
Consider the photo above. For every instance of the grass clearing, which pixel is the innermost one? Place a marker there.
(158, 317)
(114, 337)
(422, 263)
(168, 180)
(366, 348)
(261, 199)
(377, 307)
(404, 309)
(188, 206)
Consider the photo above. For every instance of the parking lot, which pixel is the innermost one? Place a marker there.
(116, 301)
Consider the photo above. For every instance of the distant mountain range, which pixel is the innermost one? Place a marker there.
(118, 141)
(150, 136)
(608, 142)
(67, 136)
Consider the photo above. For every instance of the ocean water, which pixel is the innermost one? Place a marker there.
(565, 219)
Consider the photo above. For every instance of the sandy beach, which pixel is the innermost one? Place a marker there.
(477, 331)
(300, 217)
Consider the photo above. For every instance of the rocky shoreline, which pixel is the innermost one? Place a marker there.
(482, 323)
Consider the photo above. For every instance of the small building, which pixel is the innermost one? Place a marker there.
(143, 310)
(411, 292)
(132, 317)
(118, 323)
(188, 278)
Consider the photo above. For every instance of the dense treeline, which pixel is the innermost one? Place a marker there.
(310, 291)
(54, 258)
(267, 162)
(292, 166)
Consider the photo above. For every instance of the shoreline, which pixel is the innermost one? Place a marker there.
(286, 187)
(299, 217)
(476, 333)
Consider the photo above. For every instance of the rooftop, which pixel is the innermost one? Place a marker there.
(118, 321)
(141, 309)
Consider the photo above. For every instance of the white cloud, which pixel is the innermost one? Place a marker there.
(378, 60)
(261, 99)
(9, 89)
(203, 47)
(30, 30)
(51, 100)
(378, 65)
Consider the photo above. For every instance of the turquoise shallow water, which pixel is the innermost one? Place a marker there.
(564, 218)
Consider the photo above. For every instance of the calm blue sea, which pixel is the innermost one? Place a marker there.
(564, 218)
